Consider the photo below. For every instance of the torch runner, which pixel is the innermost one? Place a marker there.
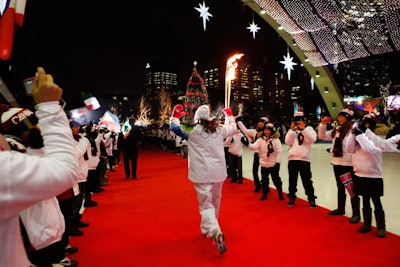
(231, 66)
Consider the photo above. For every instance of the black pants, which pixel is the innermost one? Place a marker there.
(296, 167)
(130, 163)
(227, 161)
(235, 167)
(78, 202)
(276, 179)
(256, 164)
(340, 170)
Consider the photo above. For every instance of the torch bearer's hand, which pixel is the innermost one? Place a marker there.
(228, 112)
(178, 112)
(44, 88)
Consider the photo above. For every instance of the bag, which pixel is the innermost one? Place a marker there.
(44, 223)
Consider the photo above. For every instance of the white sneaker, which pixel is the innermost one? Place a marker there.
(66, 262)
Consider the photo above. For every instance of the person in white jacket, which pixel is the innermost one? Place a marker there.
(235, 152)
(82, 146)
(253, 135)
(341, 160)
(300, 137)
(207, 169)
(26, 180)
(368, 173)
(390, 144)
(269, 147)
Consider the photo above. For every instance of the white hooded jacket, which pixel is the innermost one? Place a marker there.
(26, 180)
(367, 158)
(303, 151)
(261, 146)
(344, 160)
(206, 157)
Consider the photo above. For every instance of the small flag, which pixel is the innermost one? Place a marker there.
(11, 17)
(90, 101)
(347, 182)
(126, 127)
(79, 115)
(111, 121)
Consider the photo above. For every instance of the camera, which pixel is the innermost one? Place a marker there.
(28, 84)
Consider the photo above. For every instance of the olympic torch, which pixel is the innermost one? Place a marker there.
(231, 66)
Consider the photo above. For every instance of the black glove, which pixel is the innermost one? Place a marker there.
(238, 118)
(362, 126)
(244, 141)
(357, 131)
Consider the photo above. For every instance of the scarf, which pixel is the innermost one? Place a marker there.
(300, 138)
(270, 147)
(338, 146)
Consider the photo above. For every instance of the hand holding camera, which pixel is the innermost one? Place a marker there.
(44, 89)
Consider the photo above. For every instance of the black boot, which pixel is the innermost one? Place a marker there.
(380, 224)
(280, 194)
(355, 205)
(264, 195)
(265, 191)
(341, 203)
(366, 227)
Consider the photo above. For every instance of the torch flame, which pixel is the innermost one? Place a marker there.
(231, 65)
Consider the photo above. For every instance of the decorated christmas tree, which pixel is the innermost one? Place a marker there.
(196, 95)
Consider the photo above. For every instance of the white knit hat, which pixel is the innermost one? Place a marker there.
(264, 119)
(347, 113)
(299, 116)
(202, 113)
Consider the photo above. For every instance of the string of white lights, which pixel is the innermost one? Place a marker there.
(338, 30)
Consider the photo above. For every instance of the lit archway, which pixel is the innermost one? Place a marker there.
(323, 79)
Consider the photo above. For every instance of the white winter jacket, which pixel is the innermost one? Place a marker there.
(261, 146)
(234, 143)
(206, 157)
(303, 151)
(82, 146)
(344, 160)
(385, 145)
(44, 222)
(367, 158)
(26, 180)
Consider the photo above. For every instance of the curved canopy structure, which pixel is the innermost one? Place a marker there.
(333, 31)
(323, 32)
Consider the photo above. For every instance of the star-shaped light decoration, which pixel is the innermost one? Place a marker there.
(253, 28)
(204, 14)
(288, 63)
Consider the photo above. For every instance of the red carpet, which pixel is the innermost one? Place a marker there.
(153, 221)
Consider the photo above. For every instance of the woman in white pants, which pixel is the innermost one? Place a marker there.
(207, 165)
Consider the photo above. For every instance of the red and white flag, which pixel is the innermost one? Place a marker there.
(12, 17)
(347, 182)
(91, 102)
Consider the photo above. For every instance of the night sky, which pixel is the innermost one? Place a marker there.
(103, 46)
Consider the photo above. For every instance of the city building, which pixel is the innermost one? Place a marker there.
(160, 77)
